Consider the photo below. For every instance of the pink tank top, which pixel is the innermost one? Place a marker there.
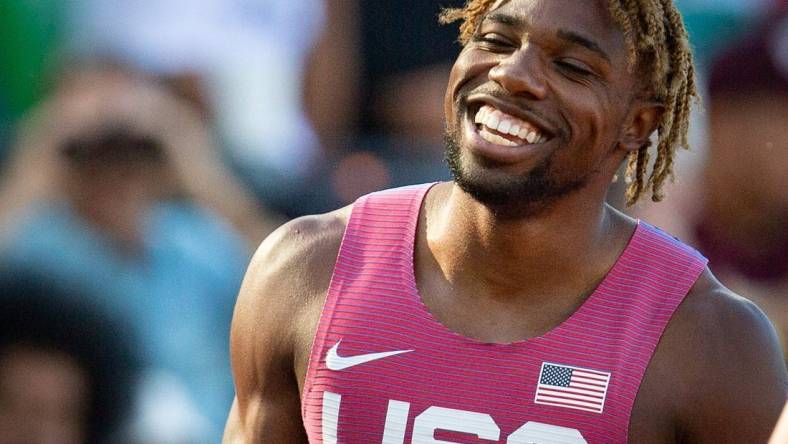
(383, 370)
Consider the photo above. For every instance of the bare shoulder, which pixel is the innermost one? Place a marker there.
(727, 327)
(722, 356)
(293, 263)
(283, 288)
(289, 273)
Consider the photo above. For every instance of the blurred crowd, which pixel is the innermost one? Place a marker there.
(148, 146)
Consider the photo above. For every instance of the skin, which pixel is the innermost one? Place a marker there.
(44, 397)
(114, 197)
(510, 271)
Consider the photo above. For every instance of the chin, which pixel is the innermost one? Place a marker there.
(508, 195)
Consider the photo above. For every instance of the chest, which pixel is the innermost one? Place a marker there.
(494, 320)
(438, 389)
(383, 367)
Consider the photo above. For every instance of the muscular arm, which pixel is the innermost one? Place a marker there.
(730, 368)
(274, 320)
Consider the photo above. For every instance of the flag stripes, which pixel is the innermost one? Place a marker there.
(572, 387)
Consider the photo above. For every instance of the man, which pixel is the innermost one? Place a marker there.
(513, 305)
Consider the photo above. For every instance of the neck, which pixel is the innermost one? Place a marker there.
(561, 249)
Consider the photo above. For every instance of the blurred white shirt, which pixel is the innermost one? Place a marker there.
(251, 53)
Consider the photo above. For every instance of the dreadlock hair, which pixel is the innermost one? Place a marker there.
(658, 44)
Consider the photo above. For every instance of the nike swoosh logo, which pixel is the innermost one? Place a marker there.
(336, 362)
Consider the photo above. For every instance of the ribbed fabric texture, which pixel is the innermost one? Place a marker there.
(443, 387)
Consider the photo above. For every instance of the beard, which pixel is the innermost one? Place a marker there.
(510, 197)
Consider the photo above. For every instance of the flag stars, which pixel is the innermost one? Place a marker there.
(554, 375)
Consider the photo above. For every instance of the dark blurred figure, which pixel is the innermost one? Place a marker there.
(742, 225)
(384, 127)
(67, 370)
(407, 56)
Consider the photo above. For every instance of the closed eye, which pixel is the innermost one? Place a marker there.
(492, 41)
(574, 69)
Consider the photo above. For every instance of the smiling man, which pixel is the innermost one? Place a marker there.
(513, 305)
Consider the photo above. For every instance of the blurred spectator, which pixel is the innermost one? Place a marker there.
(290, 83)
(404, 74)
(391, 126)
(90, 100)
(67, 369)
(244, 60)
(742, 222)
(404, 78)
(728, 199)
(116, 187)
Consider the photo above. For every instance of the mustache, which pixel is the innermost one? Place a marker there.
(497, 93)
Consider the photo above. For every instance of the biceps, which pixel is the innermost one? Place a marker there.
(741, 406)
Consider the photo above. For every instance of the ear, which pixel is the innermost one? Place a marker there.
(640, 123)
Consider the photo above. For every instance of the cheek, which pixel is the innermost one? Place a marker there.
(467, 73)
(449, 97)
(595, 118)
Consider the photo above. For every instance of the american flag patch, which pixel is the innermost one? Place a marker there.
(572, 387)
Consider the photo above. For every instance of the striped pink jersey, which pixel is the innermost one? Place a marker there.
(383, 370)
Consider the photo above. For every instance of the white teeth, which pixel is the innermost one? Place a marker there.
(479, 116)
(496, 139)
(483, 114)
(493, 121)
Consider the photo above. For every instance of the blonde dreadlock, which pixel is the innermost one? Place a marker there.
(657, 43)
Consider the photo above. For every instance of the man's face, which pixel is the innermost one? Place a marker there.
(535, 103)
(44, 397)
(114, 196)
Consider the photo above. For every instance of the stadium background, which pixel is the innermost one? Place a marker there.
(148, 146)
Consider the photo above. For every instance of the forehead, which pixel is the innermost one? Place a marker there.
(590, 18)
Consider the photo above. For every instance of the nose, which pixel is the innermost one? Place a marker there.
(521, 73)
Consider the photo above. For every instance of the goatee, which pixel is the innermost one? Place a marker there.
(510, 197)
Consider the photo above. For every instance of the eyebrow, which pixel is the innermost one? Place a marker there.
(583, 41)
(564, 34)
(505, 19)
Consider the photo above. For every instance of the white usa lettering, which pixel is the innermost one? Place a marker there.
(451, 420)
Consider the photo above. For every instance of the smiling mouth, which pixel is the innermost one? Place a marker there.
(500, 128)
